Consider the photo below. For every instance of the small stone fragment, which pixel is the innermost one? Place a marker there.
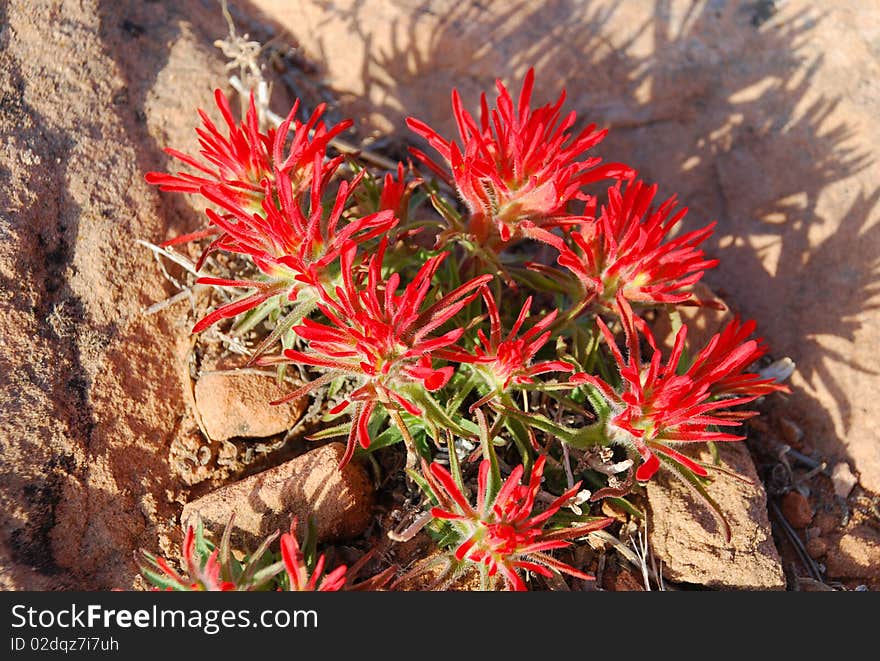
(797, 510)
(843, 479)
(238, 404)
(817, 547)
(623, 581)
(826, 522)
(792, 434)
(309, 485)
(688, 540)
(856, 554)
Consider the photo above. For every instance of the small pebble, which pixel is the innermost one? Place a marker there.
(624, 581)
(797, 510)
(238, 404)
(817, 548)
(826, 522)
(843, 479)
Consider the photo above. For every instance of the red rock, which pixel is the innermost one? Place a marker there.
(309, 485)
(234, 403)
(796, 509)
(687, 539)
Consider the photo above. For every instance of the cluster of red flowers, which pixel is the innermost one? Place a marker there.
(662, 405)
(366, 305)
(503, 533)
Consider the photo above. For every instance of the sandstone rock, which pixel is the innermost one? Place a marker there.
(309, 485)
(797, 510)
(855, 554)
(817, 547)
(89, 390)
(234, 403)
(687, 539)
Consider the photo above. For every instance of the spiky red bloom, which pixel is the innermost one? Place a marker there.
(396, 193)
(202, 576)
(504, 533)
(659, 408)
(246, 156)
(519, 167)
(626, 250)
(381, 337)
(297, 251)
(509, 359)
(298, 573)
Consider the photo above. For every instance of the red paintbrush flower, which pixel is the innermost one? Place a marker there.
(625, 250)
(300, 579)
(203, 574)
(505, 360)
(519, 167)
(208, 568)
(502, 532)
(382, 338)
(658, 408)
(296, 251)
(244, 158)
(396, 193)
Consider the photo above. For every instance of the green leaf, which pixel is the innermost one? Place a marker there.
(436, 413)
(628, 507)
(335, 431)
(493, 483)
(584, 437)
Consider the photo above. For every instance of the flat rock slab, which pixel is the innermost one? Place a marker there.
(688, 540)
(236, 403)
(309, 485)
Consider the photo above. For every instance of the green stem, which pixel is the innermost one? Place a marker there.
(582, 438)
(518, 431)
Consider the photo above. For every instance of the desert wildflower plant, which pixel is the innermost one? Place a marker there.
(488, 308)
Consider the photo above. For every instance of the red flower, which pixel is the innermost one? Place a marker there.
(241, 160)
(296, 251)
(503, 360)
(520, 167)
(623, 250)
(659, 408)
(297, 571)
(204, 574)
(396, 193)
(382, 338)
(503, 533)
